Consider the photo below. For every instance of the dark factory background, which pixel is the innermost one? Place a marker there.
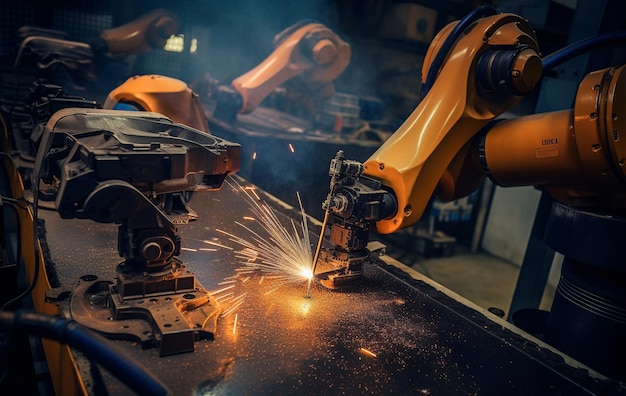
(477, 245)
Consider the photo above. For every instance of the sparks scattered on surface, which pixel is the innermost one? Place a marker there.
(272, 250)
(270, 291)
(216, 292)
(281, 253)
(234, 303)
(254, 155)
(291, 148)
(252, 191)
(188, 249)
(217, 244)
(367, 352)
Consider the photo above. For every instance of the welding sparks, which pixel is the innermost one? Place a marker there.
(235, 324)
(283, 253)
(217, 244)
(254, 155)
(291, 148)
(367, 352)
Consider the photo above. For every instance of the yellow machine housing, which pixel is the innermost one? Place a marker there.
(164, 95)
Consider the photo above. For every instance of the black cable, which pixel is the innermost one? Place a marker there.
(94, 346)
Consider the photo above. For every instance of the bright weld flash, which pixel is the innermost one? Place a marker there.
(307, 273)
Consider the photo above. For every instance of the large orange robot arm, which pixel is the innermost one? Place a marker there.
(578, 156)
(451, 141)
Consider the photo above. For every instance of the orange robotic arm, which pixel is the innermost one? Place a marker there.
(483, 64)
(310, 51)
(143, 34)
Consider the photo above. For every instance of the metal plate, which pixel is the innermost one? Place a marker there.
(391, 334)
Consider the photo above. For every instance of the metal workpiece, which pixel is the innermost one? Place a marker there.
(393, 332)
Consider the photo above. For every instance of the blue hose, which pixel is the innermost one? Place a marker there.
(580, 47)
(91, 344)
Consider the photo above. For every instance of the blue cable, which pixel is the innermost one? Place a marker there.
(91, 344)
(580, 47)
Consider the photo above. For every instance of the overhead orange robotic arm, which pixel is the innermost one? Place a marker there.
(306, 50)
(148, 32)
(446, 147)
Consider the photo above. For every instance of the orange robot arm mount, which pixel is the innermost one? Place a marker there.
(577, 156)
